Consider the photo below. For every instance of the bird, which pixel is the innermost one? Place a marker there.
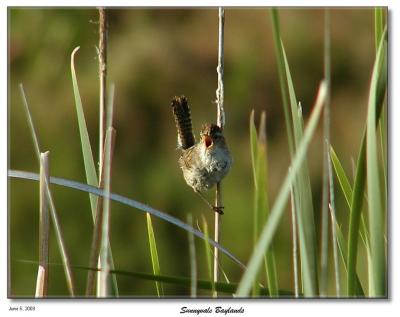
(206, 162)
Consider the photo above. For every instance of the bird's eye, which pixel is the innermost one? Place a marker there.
(207, 141)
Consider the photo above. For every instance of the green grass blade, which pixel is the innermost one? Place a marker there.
(359, 292)
(128, 202)
(302, 188)
(381, 111)
(282, 78)
(154, 254)
(225, 287)
(354, 224)
(263, 203)
(278, 209)
(228, 288)
(375, 206)
(254, 164)
(192, 258)
(294, 244)
(253, 145)
(379, 28)
(348, 193)
(342, 177)
(90, 168)
(379, 25)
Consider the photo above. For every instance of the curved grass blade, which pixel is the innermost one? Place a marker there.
(375, 206)
(379, 28)
(90, 169)
(278, 209)
(126, 201)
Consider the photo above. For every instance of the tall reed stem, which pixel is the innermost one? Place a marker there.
(220, 123)
(44, 229)
(102, 53)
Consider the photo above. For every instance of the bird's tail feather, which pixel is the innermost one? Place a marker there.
(183, 121)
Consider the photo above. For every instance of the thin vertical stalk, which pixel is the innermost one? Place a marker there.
(325, 181)
(220, 69)
(44, 229)
(102, 53)
(105, 228)
(221, 124)
(335, 247)
(96, 238)
(217, 232)
(294, 239)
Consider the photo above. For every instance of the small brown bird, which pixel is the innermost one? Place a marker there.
(204, 163)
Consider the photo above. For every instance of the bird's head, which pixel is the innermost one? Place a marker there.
(211, 136)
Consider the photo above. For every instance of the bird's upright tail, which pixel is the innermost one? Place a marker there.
(183, 121)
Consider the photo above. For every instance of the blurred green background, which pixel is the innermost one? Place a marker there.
(152, 56)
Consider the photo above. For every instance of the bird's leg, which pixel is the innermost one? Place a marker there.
(215, 208)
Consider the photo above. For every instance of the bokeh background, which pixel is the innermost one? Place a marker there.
(154, 54)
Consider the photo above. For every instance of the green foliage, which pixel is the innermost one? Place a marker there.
(261, 208)
(278, 208)
(377, 92)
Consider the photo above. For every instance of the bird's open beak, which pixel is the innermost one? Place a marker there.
(208, 141)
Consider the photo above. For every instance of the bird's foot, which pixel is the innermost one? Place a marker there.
(218, 209)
